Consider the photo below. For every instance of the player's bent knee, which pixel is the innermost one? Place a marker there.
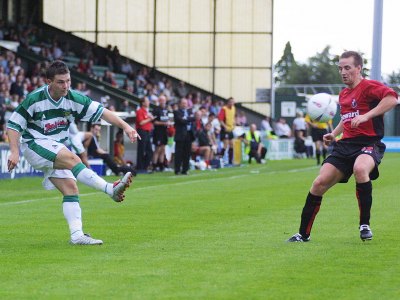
(66, 160)
(321, 185)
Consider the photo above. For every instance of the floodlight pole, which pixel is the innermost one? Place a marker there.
(377, 41)
(389, 117)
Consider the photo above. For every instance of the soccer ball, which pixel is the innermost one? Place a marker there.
(321, 107)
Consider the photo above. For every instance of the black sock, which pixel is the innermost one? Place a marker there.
(222, 152)
(230, 155)
(318, 155)
(310, 210)
(324, 153)
(364, 197)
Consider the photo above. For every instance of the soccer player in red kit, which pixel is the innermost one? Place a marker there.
(360, 150)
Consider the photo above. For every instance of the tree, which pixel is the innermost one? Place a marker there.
(283, 66)
(394, 79)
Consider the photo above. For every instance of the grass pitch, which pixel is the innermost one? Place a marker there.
(210, 235)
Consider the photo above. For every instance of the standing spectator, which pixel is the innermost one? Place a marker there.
(144, 127)
(227, 119)
(282, 129)
(183, 118)
(160, 136)
(299, 126)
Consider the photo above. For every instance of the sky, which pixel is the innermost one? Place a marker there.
(311, 25)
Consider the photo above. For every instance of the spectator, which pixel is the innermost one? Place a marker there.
(227, 119)
(282, 129)
(253, 145)
(79, 142)
(183, 118)
(241, 119)
(96, 151)
(202, 144)
(17, 87)
(266, 124)
(127, 69)
(119, 149)
(144, 127)
(181, 90)
(299, 126)
(160, 135)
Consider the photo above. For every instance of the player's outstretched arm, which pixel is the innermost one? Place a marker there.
(112, 118)
(13, 137)
(386, 104)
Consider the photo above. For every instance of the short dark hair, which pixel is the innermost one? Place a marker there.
(57, 67)
(358, 60)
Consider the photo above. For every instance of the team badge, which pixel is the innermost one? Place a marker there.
(353, 103)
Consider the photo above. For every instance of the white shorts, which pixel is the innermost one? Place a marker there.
(41, 155)
(77, 143)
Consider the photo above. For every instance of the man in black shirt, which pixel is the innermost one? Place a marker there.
(160, 136)
(183, 118)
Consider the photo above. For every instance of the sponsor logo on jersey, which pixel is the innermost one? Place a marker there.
(49, 127)
(347, 117)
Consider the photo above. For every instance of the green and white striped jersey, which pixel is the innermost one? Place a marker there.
(40, 117)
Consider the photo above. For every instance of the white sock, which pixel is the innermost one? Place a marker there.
(90, 178)
(73, 215)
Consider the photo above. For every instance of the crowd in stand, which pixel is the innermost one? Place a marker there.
(17, 80)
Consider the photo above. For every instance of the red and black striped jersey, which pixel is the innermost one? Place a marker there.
(358, 101)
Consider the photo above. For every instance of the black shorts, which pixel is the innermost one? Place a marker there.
(160, 138)
(226, 135)
(344, 155)
(317, 134)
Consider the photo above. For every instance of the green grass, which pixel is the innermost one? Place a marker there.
(210, 235)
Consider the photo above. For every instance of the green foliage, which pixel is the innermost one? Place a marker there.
(285, 64)
(319, 69)
(210, 235)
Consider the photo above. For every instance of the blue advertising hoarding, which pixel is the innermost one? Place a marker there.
(23, 168)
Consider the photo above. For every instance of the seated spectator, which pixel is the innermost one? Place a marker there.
(202, 145)
(266, 124)
(3, 135)
(254, 148)
(79, 142)
(96, 151)
(119, 149)
(241, 119)
(127, 69)
(282, 129)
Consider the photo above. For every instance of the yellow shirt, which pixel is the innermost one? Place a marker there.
(229, 117)
(319, 125)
